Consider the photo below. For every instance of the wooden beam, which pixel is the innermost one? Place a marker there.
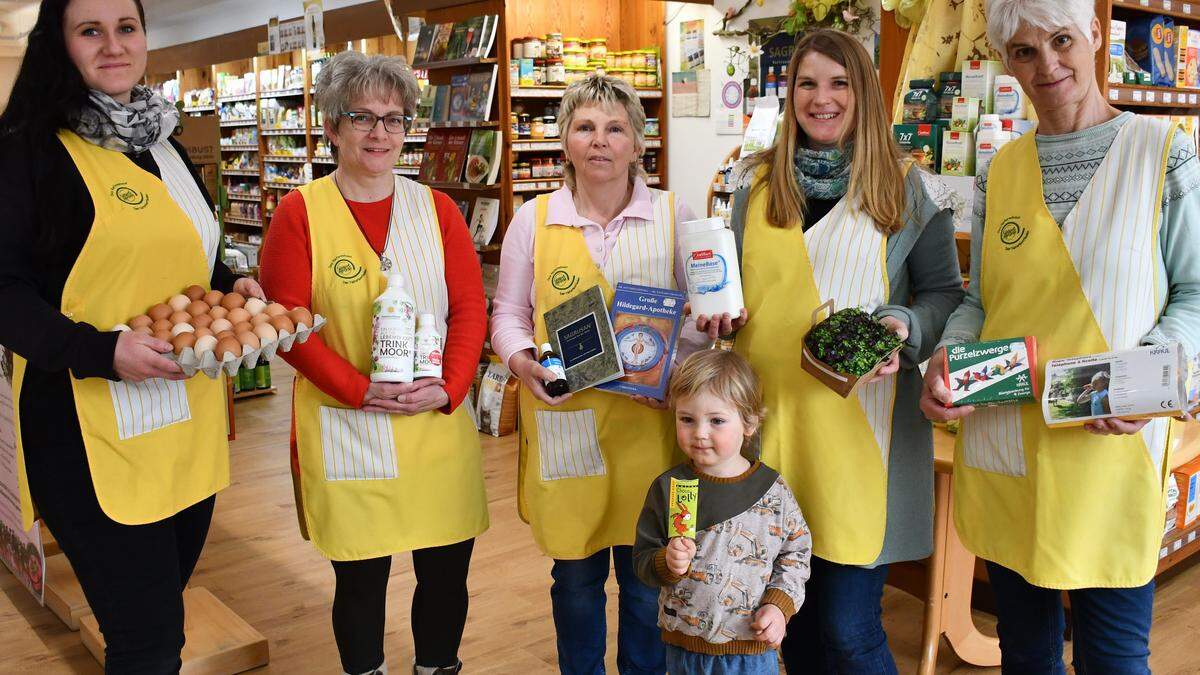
(348, 23)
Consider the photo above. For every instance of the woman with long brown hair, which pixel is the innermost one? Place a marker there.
(833, 213)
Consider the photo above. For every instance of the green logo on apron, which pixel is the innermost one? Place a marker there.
(563, 281)
(130, 197)
(344, 268)
(1012, 234)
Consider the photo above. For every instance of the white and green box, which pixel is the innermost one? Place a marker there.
(998, 372)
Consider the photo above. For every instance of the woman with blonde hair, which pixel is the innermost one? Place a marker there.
(588, 457)
(832, 213)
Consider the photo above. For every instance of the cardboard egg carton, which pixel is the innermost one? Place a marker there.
(210, 366)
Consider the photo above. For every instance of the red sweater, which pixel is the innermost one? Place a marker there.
(286, 277)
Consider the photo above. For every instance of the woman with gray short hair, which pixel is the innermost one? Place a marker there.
(1085, 237)
(381, 467)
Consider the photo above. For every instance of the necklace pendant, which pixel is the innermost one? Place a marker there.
(385, 263)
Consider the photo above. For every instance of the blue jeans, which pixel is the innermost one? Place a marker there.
(838, 628)
(578, 600)
(1111, 627)
(682, 662)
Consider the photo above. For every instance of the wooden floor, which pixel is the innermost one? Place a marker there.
(258, 565)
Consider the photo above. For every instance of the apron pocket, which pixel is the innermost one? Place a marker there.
(357, 445)
(567, 444)
(993, 440)
(149, 405)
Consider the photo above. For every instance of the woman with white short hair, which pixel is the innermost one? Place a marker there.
(1091, 247)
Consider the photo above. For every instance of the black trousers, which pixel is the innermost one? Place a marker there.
(439, 607)
(132, 575)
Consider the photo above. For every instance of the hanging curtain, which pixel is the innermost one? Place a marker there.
(942, 34)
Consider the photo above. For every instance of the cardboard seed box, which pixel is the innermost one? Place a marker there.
(996, 372)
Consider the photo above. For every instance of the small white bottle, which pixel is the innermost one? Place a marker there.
(429, 348)
(989, 142)
(714, 278)
(392, 333)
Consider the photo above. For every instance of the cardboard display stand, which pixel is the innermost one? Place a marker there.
(219, 642)
(64, 596)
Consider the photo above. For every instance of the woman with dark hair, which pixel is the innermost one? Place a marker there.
(129, 495)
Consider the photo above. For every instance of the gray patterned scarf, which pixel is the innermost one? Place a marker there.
(127, 127)
(824, 174)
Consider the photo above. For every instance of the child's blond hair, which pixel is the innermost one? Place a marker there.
(724, 374)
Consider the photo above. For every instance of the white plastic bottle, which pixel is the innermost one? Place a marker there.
(393, 329)
(429, 348)
(989, 142)
(714, 278)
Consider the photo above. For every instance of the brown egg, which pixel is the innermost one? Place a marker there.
(243, 327)
(219, 326)
(227, 347)
(194, 292)
(201, 321)
(183, 341)
(201, 332)
(283, 325)
(198, 308)
(218, 312)
(249, 339)
(213, 298)
(159, 311)
(275, 309)
(237, 315)
(224, 334)
(179, 317)
(232, 300)
(260, 319)
(140, 321)
(266, 333)
(144, 330)
(255, 306)
(161, 324)
(164, 335)
(178, 302)
(301, 316)
(205, 344)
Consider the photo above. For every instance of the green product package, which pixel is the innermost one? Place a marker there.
(262, 376)
(997, 372)
(683, 502)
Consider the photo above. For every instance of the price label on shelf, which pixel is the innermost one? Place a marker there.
(1114, 94)
(1167, 5)
(1144, 3)
(1187, 9)
(1166, 97)
(1137, 95)
(1150, 96)
(1192, 99)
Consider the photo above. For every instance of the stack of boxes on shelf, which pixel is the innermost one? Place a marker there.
(956, 125)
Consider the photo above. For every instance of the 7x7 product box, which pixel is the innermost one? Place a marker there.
(997, 372)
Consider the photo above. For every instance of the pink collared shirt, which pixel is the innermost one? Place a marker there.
(512, 312)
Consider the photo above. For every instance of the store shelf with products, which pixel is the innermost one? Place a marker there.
(239, 148)
(240, 172)
(248, 122)
(243, 198)
(241, 221)
(1162, 97)
(1171, 8)
(1173, 61)
(456, 63)
(234, 98)
(557, 92)
(283, 131)
(298, 159)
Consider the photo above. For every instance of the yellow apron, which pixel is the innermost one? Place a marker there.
(373, 484)
(1065, 508)
(832, 451)
(585, 465)
(155, 447)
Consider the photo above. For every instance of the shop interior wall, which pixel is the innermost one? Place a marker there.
(697, 158)
(172, 22)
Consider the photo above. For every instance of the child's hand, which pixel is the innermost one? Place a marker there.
(680, 552)
(769, 625)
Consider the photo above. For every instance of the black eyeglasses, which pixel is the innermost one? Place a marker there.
(393, 124)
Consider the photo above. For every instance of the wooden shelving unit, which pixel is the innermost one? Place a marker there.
(1146, 98)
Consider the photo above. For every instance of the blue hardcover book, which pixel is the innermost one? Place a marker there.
(646, 322)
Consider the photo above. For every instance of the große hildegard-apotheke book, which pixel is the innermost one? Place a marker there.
(580, 331)
(646, 322)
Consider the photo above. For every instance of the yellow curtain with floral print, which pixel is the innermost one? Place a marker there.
(942, 34)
